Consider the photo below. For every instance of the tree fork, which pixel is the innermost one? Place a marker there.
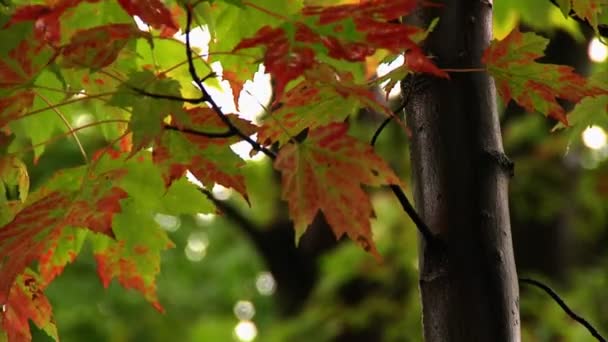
(469, 284)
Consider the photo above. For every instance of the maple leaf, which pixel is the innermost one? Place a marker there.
(585, 9)
(27, 301)
(98, 47)
(147, 112)
(350, 32)
(532, 85)
(47, 23)
(63, 248)
(324, 96)
(23, 63)
(15, 105)
(153, 13)
(325, 173)
(134, 257)
(229, 22)
(210, 159)
(38, 229)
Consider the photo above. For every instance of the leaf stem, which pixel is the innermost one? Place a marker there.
(66, 134)
(263, 10)
(67, 124)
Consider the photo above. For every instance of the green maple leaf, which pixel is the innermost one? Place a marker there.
(134, 257)
(147, 112)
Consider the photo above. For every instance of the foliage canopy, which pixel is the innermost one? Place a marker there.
(141, 88)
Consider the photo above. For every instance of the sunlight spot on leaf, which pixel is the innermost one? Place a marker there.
(597, 51)
(169, 223)
(82, 120)
(192, 179)
(245, 331)
(385, 68)
(221, 192)
(265, 283)
(244, 310)
(196, 248)
(594, 137)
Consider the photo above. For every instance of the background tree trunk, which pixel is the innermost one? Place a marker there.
(469, 287)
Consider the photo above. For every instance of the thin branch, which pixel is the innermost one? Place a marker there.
(199, 82)
(429, 237)
(233, 214)
(168, 97)
(564, 307)
(67, 124)
(229, 133)
(379, 130)
(66, 134)
(65, 103)
(424, 230)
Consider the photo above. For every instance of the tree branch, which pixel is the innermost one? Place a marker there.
(564, 307)
(424, 230)
(207, 98)
(229, 133)
(233, 214)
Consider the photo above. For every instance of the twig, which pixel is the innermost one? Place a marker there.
(233, 214)
(379, 130)
(564, 307)
(229, 133)
(67, 124)
(429, 237)
(167, 97)
(199, 82)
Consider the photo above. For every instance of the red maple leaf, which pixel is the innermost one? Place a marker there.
(325, 173)
(533, 85)
(12, 107)
(27, 301)
(98, 47)
(291, 50)
(153, 13)
(210, 159)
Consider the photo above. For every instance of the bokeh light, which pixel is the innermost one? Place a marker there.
(265, 283)
(245, 331)
(597, 51)
(204, 219)
(594, 137)
(244, 310)
(169, 223)
(196, 248)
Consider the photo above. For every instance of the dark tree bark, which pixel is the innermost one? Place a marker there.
(468, 284)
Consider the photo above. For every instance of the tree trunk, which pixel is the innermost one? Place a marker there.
(469, 286)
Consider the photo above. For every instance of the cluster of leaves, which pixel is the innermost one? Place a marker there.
(66, 57)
